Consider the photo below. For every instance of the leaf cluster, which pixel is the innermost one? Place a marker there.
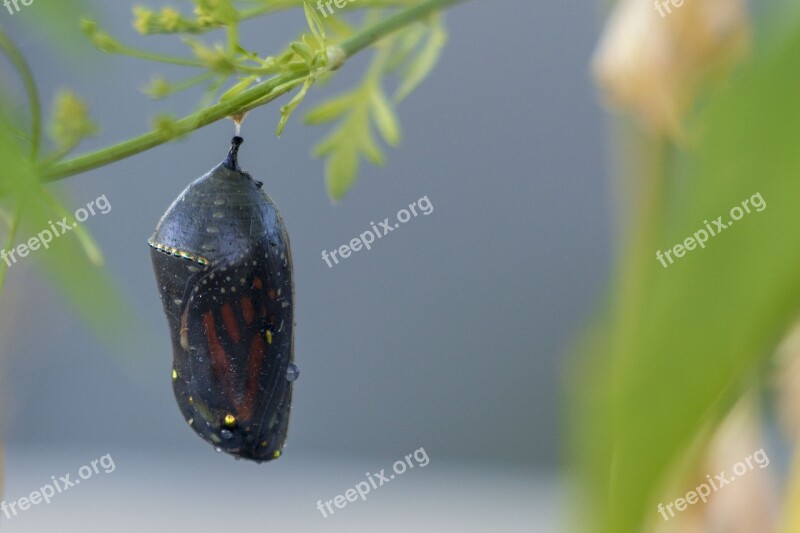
(229, 68)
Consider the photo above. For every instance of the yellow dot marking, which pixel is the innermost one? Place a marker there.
(230, 420)
(276, 454)
(269, 337)
(174, 374)
(191, 399)
(178, 253)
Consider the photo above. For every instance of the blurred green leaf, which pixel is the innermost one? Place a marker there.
(14, 174)
(385, 118)
(72, 260)
(684, 341)
(369, 147)
(408, 42)
(423, 63)
(341, 171)
(329, 110)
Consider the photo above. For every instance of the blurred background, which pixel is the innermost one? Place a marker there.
(450, 334)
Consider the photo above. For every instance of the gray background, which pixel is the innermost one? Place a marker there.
(451, 333)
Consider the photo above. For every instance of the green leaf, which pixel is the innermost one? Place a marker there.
(71, 260)
(315, 23)
(90, 247)
(340, 28)
(17, 175)
(686, 340)
(422, 65)
(88, 288)
(385, 118)
(238, 88)
(304, 51)
(247, 53)
(288, 109)
(341, 171)
(370, 149)
(408, 41)
(328, 144)
(329, 110)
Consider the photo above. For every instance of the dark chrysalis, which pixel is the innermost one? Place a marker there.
(224, 270)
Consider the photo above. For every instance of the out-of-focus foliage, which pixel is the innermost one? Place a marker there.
(676, 347)
(73, 261)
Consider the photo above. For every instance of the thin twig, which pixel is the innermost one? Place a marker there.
(256, 96)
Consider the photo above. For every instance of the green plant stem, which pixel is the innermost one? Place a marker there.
(403, 18)
(254, 97)
(17, 59)
(284, 5)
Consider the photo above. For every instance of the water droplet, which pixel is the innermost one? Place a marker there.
(292, 373)
(225, 434)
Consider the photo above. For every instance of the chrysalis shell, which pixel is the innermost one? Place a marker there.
(224, 271)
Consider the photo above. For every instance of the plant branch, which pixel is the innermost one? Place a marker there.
(251, 98)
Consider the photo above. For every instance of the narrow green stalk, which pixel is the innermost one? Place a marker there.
(401, 19)
(284, 5)
(233, 37)
(251, 98)
(17, 59)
